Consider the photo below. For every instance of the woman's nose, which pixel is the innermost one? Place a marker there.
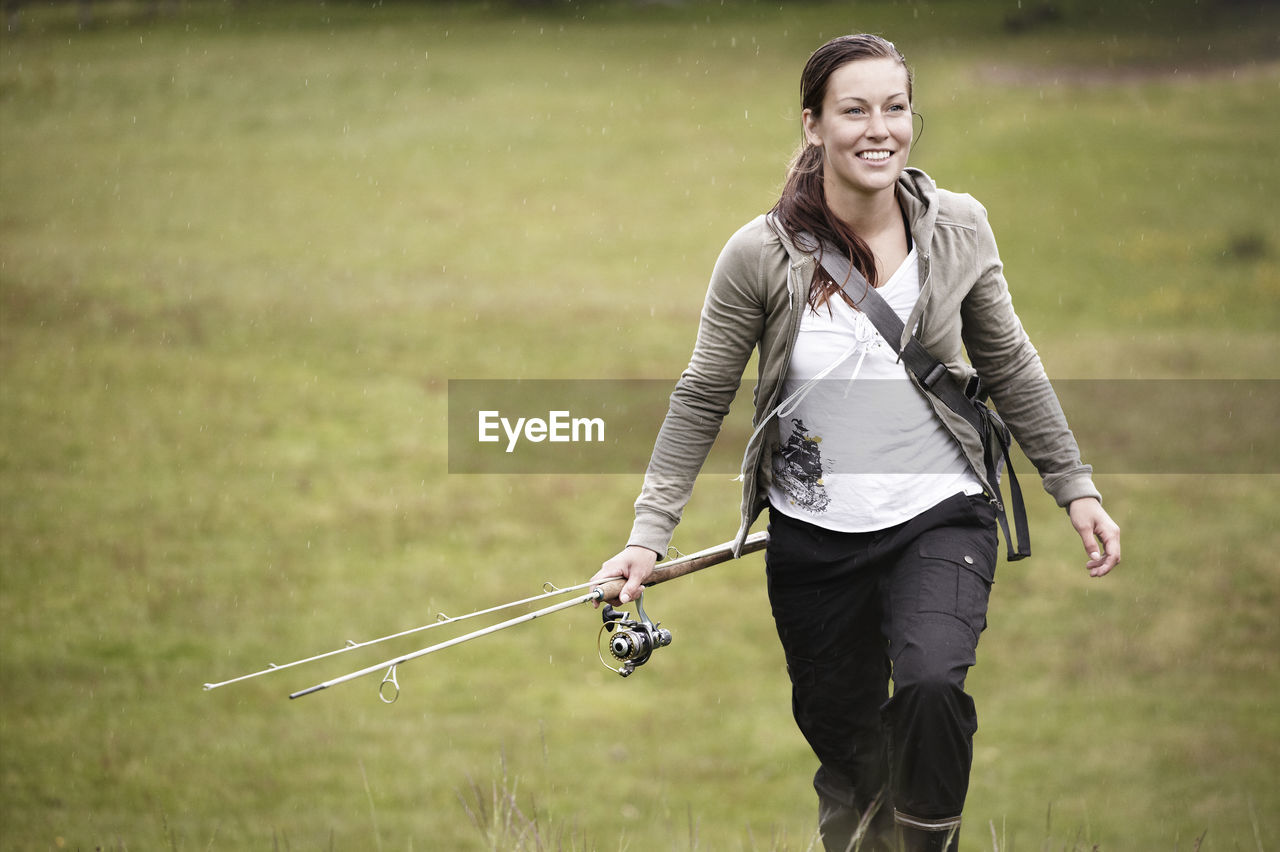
(876, 127)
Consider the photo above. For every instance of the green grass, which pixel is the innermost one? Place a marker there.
(242, 252)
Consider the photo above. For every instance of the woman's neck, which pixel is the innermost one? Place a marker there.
(866, 214)
(879, 222)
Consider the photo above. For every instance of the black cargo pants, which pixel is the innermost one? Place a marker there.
(856, 610)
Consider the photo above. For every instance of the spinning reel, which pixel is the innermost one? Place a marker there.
(631, 642)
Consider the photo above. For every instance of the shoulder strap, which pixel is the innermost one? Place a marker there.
(931, 372)
(933, 375)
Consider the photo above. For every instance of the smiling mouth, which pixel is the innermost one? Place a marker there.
(875, 156)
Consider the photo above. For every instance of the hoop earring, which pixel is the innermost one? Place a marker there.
(915, 137)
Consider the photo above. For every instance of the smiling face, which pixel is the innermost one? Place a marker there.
(863, 128)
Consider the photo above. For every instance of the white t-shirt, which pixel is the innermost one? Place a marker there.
(862, 449)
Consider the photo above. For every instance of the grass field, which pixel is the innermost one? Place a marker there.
(243, 252)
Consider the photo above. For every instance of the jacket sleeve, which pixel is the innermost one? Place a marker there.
(731, 323)
(1011, 370)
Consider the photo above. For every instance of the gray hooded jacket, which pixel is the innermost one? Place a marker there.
(759, 288)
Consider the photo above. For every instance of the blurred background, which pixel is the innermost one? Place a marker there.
(244, 248)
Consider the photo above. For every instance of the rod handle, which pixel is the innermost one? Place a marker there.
(682, 565)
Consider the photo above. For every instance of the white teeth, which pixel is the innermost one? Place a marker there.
(875, 155)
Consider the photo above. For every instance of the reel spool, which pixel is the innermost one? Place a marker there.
(631, 642)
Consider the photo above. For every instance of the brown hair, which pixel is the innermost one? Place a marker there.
(802, 207)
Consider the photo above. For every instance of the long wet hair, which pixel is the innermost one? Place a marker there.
(802, 207)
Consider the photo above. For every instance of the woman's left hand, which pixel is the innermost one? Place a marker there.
(1094, 525)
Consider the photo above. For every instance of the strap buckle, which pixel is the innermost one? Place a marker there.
(935, 374)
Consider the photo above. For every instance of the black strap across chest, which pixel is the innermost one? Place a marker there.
(932, 374)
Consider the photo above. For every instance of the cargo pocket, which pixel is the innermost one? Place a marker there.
(957, 583)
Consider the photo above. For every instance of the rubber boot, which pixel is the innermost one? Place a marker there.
(919, 840)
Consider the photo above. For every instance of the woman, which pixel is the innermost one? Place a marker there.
(882, 514)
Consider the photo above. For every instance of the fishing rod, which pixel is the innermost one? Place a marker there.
(632, 640)
(441, 620)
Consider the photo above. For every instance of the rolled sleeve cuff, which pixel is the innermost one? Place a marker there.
(652, 530)
(1070, 487)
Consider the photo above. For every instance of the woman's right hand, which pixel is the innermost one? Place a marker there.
(635, 563)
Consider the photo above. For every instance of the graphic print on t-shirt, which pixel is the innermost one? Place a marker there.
(797, 469)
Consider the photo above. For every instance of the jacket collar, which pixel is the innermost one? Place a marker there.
(918, 195)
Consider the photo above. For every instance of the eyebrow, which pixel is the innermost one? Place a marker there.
(864, 100)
